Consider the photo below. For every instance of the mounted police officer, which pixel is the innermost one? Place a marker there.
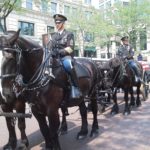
(126, 52)
(62, 45)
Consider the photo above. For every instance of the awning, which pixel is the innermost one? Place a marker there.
(90, 48)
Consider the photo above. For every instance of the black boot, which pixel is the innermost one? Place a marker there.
(48, 69)
(75, 91)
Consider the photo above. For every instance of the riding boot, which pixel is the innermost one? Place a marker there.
(75, 91)
(48, 70)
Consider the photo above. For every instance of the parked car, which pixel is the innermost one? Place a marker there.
(146, 77)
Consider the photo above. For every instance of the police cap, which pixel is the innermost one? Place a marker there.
(59, 17)
(124, 38)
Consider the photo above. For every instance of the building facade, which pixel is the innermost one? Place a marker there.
(36, 19)
(143, 41)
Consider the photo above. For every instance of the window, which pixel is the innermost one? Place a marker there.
(50, 29)
(89, 54)
(74, 11)
(53, 8)
(66, 10)
(88, 14)
(125, 3)
(87, 1)
(26, 28)
(109, 55)
(108, 4)
(1, 25)
(101, 7)
(103, 55)
(29, 4)
(44, 6)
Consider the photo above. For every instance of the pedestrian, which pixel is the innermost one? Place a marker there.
(140, 57)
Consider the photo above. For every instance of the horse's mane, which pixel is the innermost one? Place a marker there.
(25, 41)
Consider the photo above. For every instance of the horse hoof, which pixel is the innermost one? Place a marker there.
(63, 132)
(22, 147)
(126, 113)
(81, 136)
(132, 105)
(8, 147)
(138, 105)
(113, 113)
(94, 133)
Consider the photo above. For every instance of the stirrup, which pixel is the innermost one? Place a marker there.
(75, 92)
(137, 79)
(49, 73)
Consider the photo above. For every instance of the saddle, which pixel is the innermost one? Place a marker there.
(81, 71)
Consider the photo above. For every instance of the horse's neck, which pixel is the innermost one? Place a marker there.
(25, 43)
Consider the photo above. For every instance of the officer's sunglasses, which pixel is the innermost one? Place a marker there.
(58, 22)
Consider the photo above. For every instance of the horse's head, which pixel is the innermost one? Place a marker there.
(30, 64)
(114, 62)
(7, 43)
(114, 68)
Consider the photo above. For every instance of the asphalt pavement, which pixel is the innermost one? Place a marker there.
(117, 132)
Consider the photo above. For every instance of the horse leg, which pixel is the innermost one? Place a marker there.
(54, 122)
(20, 108)
(43, 127)
(138, 101)
(84, 127)
(12, 142)
(127, 110)
(132, 101)
(95, 127)
(64, 127)
(115, 108)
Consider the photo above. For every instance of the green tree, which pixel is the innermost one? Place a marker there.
(132, 18)
(93, 22)
(104, 30)
(6, 7)
(81, 25)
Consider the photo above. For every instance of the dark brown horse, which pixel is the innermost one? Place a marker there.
(8, 100)
(124, 82)
(47, 94)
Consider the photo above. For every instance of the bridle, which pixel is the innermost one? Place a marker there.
(36, 80)
(10, 50)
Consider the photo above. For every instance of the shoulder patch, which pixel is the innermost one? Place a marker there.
(71, 42)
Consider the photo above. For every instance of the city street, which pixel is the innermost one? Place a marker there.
(115, 132)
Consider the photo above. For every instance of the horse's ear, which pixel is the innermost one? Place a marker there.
(12, 39)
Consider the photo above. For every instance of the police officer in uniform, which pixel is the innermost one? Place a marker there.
(61, 44)
(125, 52)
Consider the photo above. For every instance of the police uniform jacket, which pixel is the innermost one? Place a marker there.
(125, 51)
(61, 42)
